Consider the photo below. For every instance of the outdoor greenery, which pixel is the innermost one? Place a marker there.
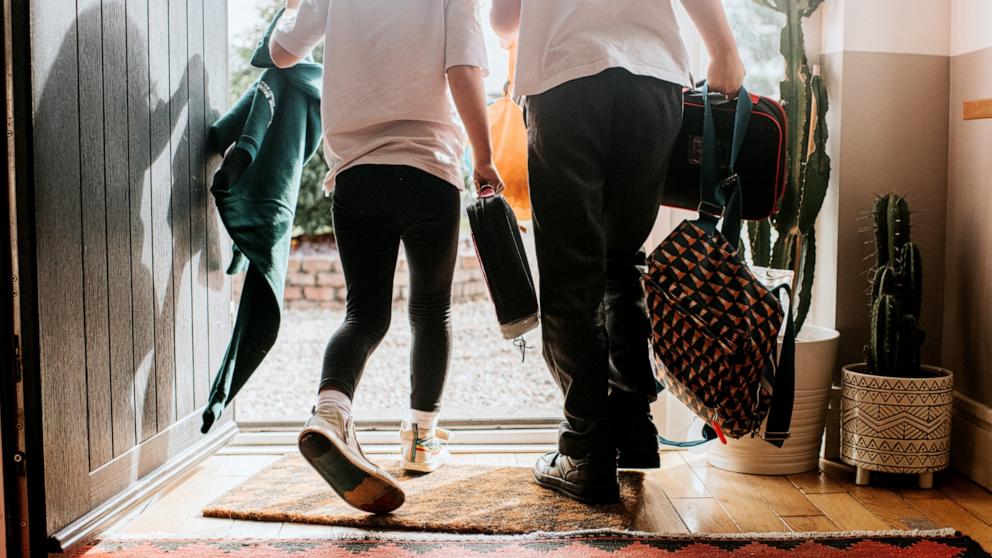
(893, 347)
(313, 209)
(756, 30)
(788, 239)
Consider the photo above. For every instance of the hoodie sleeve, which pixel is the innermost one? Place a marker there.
(261, 113)
(227, 128)
(262, 58)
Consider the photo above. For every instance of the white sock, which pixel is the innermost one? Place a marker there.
(423, 419)
(332, 399)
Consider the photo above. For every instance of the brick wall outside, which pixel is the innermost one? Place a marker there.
(315, 280)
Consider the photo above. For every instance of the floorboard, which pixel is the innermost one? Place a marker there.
(734, 492)
(704, 515)
(811, 523)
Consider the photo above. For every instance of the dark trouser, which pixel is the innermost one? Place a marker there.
(375, 207)
(598, 154)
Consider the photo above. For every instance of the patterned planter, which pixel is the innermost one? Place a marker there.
(896, 425)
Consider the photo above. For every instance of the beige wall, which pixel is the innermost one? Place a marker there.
(889, 134)
(967, 346)
(893, 67)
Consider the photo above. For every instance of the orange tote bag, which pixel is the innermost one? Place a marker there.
(509, 137)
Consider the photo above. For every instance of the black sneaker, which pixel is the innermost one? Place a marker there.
(591, 479)
(633, 430)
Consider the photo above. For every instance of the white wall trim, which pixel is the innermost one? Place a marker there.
(971, 439)
(889, 26)
(970, 23)
(975, 410)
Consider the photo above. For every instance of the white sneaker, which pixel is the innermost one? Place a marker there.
(423, 450)
(329, 444)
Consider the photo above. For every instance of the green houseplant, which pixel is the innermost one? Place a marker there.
(896, 412)
(787, 241)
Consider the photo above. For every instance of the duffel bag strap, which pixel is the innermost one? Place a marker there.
(784, 383)
(714, 202)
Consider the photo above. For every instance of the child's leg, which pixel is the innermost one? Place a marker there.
(368, 246)
(432, 249)
(368, 243)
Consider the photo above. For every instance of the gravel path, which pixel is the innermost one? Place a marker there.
(486, 378)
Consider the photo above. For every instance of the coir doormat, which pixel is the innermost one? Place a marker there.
(455, 499)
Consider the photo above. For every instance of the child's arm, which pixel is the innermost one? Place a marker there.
(726, 71)
(300, 28)
(469, 94)
(504, 16)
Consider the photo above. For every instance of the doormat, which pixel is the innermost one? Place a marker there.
(598, 544)
(458, 498)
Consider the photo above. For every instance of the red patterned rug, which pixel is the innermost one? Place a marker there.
(572, 545)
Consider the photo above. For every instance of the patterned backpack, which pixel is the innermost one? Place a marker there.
(715, 326)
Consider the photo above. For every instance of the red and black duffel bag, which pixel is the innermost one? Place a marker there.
(760, 164)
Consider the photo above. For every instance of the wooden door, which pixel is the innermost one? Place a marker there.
(133, 306)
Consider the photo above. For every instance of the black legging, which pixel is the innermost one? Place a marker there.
(375, 207)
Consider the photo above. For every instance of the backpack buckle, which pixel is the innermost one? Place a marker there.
(710, 209)
(775, 436)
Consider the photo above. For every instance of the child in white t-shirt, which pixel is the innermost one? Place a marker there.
(391, 71)
(603, 85)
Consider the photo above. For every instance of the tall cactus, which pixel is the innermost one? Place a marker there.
(804, 98)
(893, 347)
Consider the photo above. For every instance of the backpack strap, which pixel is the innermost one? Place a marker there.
(714, 202)
(784, 381)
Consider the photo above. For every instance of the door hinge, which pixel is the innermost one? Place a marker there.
(18, 360)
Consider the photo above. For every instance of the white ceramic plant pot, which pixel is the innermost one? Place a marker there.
(816, 353)
(897, 425)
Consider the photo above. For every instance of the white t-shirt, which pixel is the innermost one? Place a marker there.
(562, 40)
(385, 96)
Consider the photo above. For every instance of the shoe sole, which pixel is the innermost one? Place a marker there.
(420, 467)
(642, 460)
(358, 483)
(594, 495)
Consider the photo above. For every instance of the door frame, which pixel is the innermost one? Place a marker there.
(20, 421)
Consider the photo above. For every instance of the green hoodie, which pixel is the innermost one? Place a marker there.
(276, 125)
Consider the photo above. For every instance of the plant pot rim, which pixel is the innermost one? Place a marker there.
(861, 369)
(822, 334)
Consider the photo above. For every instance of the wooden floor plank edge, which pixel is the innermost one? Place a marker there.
(357, 534)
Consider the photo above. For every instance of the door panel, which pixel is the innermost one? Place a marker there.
(120, 309)
(139, 197)
(133, 303)
(218, 250)
(58, 222)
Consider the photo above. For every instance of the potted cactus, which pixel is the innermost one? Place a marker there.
(787, 241)
(896, 412)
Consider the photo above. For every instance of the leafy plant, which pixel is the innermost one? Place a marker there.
(313, 208)
(804, 98)
(893, 347)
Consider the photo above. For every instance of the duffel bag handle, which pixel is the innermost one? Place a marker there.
(713, 200)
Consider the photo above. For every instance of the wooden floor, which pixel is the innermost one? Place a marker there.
(685, 495)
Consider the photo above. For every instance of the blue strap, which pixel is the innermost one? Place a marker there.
(708, 435)
(713, 200)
